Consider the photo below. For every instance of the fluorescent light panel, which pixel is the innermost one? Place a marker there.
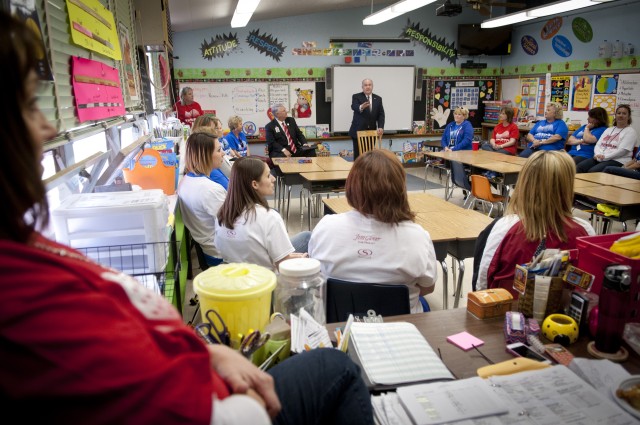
(559, 7)
(244, 11)
(509, 19)
(539, 12)
(394, 10)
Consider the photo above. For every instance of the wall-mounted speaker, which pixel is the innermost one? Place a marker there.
(419, 81)
(328, 85)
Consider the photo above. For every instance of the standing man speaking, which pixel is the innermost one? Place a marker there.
(368, 113)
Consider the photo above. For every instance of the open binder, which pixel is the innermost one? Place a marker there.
(394, 354)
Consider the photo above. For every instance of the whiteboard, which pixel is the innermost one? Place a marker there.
(395, 84)
(250, 100)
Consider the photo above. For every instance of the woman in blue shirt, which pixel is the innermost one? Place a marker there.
(458, 134)
(549, 134)
(238, 146)
(584, 139)
(212, 125)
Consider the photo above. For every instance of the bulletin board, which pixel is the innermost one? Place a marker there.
(446, 95)
(251, 100)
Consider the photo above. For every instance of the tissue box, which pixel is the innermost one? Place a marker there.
(489, 303)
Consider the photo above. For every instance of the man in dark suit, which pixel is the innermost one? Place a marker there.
(284, 138)
(368, 113)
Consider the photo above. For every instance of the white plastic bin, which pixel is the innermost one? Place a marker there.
(117, 219)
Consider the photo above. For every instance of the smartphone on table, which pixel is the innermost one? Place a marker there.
(519, 349)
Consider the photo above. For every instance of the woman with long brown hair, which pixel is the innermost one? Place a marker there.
(377, 242)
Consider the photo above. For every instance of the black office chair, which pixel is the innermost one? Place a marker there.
(344, 298)
(459, 178)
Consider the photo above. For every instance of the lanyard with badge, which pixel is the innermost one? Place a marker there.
(453, 134)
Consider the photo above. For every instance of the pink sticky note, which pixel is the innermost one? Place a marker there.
(465, 340)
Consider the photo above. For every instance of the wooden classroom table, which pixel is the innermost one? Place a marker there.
(605, 179)
(634, 187)
(453, 231)
(435, 326)
(628, 201)
(577, 183)
(333, 163)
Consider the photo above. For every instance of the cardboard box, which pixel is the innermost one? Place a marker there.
(489, 303)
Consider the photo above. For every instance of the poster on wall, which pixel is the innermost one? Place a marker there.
(25, 11)
(220, 46)
(629, 94)
(266, 44)
(582, 88)
(449, 94)
(606, 101)
(606, 84)
(542, 86)
(129, 77)
(527, 100)
(436, 45)
(93, 27)
(96, 89)
(560, 90)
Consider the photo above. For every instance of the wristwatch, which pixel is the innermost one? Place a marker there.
(581, 140)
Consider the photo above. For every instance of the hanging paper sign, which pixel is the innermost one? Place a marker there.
(529, 45)
(560, 90)
(437, 46)
(93, 27)
(130, 80)
(562, 46)
(96, 88)
(582, 29)
(582, 88)
(220, 46)
(551, 28)
(266, 44)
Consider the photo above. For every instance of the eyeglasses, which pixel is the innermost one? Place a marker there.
(214, 331)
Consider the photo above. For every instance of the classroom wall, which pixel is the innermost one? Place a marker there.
(292, 31)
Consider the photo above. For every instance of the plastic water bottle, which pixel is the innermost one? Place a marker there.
(612, 308)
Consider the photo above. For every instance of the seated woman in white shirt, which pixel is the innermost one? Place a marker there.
(377, 241)
(247, 230)
(200, 197)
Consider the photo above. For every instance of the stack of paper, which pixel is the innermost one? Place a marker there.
(393, 354)
(307, 334)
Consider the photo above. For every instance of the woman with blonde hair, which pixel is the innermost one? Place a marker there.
(199, 197)
(238, 146)
(538, 217)
(247, 229)
(377, 242)
(549, 134)
(458, 134)
(212, 125)
(186, 108)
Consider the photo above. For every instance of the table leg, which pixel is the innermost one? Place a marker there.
(288, 204)
(445, 285)
(458, 293)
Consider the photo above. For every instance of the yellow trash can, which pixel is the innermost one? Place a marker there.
(240, 293)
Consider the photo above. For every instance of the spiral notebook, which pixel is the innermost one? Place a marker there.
(394, 354)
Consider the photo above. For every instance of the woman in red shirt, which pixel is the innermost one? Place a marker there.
(505, 135)
(187, 109)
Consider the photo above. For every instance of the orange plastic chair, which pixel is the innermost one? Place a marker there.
(481, 190)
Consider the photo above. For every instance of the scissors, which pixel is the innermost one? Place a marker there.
(214, 331)
(253, 342)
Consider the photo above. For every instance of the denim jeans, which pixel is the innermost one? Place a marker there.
(593, 166)
(300, 241)
(624, 172)
(321, 386)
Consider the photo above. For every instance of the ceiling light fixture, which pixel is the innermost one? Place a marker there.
(509, 19)
(244, 11)
(539, 12)
(394, 11)
(559, 7)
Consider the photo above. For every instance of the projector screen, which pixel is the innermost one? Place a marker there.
(395, 84)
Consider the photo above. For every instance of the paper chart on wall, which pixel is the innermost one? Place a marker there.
(629, 94)
(93, 27)
(582, 88)
(97, 90)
